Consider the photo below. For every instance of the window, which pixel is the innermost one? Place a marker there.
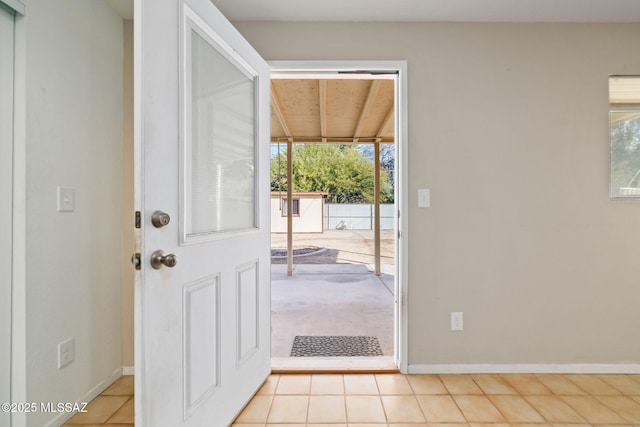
(295, 210)
(624, 129)
(220, 138)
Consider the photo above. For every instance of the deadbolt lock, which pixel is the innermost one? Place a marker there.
(159, 219)
(159, 258)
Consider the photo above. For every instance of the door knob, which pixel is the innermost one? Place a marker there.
(159, 219)
(159, 258)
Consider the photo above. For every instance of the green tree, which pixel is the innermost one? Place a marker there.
(625, 151)
(341, 170)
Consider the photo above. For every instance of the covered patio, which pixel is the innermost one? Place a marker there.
(340, 295)
(321, 300)
(334, 292)
(346, 108)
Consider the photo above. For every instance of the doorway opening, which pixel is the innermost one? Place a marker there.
(336, 165)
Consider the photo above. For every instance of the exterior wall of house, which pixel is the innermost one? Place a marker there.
(310, 219)
(69, 275)
(508, 127)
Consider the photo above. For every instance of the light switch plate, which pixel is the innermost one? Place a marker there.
(456, 321)
(424, 198)
(66, 199)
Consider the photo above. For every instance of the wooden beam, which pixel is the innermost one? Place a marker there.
(289, 208)
(322, 95)
(332, 140)
(276, 105)
(371, 96)
(386, 122)
(376, 207)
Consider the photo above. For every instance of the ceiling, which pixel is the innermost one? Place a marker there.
(432, 10)
(332, 111)
(362, 110)
(421, 10)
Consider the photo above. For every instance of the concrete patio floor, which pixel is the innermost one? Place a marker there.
(330, 300)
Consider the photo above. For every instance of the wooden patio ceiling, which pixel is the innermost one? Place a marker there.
(332, 111)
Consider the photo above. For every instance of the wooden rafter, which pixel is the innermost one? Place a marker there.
(322, 95)
(388, 119)
(371, 96)
(276, 104)
(334, 140)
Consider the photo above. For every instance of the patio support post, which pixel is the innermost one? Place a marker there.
(376, 205)
(289, 208)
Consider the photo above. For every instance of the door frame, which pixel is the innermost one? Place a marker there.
(16, 208)
(315, 69)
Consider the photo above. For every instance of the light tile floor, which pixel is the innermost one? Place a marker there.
(113, 408)
(395, 400)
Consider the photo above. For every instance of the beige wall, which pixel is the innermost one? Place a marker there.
(128, 223)
(508, 128)
(72, 97)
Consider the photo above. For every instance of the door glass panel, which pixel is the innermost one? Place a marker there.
(220, 179)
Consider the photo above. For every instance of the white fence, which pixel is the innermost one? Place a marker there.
(338, 216)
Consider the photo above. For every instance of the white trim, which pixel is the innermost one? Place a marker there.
(402, 196)
(337, 364)
(15, 5)
(309, 69)
(19, 267)
(88, 397)
(526, 369)
(128, 370)
(140, 409)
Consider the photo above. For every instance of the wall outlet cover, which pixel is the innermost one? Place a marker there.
(456, 321)
(66, 352)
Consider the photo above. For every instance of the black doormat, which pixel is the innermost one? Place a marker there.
(340, 346)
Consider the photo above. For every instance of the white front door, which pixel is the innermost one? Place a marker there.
(202, 157)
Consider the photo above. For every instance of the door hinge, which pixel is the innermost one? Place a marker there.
(136, 260)
(138, 219)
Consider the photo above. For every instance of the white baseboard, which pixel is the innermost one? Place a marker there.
(128, 370)
(525, 369)
(88, 397)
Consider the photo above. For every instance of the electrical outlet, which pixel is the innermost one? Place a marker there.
(456, 321)
(66, 352)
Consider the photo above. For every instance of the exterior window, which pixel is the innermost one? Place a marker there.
(624, 129)
(295, 211)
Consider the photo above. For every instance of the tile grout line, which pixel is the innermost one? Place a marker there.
(273, 398)
(501, 378)
(116, 411)
(486, 396)
(308, 400)
(524, 397)
(344, 396)
(415, 396)
(384, 410)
